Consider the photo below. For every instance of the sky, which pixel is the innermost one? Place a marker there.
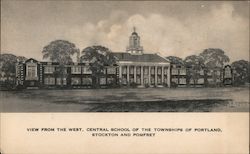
(170, 28)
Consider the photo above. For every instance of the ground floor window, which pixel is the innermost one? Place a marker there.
(165, 79)
(200, 81)
(152, 80)
(175, 80)
(102, 81)
(182, 80)
(75, 81)
(124, 80)
(61, 81)
(138, 80)
(131, 79)
(49, 81)
(111, 80)
(159, 80)
(87, 81)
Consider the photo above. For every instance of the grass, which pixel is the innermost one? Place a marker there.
(127, 100)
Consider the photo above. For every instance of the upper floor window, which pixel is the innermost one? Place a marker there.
(76, 69)
(111, 70)
(174, 71)
(49, 69)
(182, 71)
(86, 70)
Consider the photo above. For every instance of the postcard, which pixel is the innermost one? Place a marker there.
(124, 77)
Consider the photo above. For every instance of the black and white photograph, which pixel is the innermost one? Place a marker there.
(124, 77)
(124, 56)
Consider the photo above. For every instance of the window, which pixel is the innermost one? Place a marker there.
(86, 70)
(31, 72)
(111, 80)
(131, 70)
(174, 71)
(201, 72)
(87, 81)
(182, 80)
(124, 80)
(218, 73)
(159, 80)
(165, 80)
(124, 70)
(49, 69)
(152, 80)
(175, 80)
(158, 70)
(209, 73)
(152, 70)
(61, 81)
(200, 81)
(227, 73)
(75, 81)
(102, 81)
(76, 69)
(138, 80)
(182, 71)
(49, 81)
(111, 70)
(165, 70)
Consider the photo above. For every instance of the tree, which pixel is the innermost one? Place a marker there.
(21, 59)
(194, 64)
(99, 57)
(241, 72)
(175, 60)
(60, 51)
(8, 66)
(214, 58)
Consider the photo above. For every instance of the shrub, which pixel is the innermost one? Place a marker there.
(133, 85)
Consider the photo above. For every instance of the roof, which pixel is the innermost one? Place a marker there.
(123, 56)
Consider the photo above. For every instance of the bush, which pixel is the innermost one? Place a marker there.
(165, 84)
(174, 85)
(146, 85)
(133, 85)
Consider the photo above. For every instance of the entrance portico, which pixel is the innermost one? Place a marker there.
(151, 74)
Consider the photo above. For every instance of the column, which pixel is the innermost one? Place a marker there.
(120, 72)
(135, 74)
(149, 75)
(168, 76)
(162, 75)
(156, 75)
(127, 74)
(141, 75)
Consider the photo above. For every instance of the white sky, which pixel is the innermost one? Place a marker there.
(170, 28)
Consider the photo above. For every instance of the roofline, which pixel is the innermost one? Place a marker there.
(162, 57)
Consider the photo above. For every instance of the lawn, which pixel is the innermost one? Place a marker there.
(127, 100)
